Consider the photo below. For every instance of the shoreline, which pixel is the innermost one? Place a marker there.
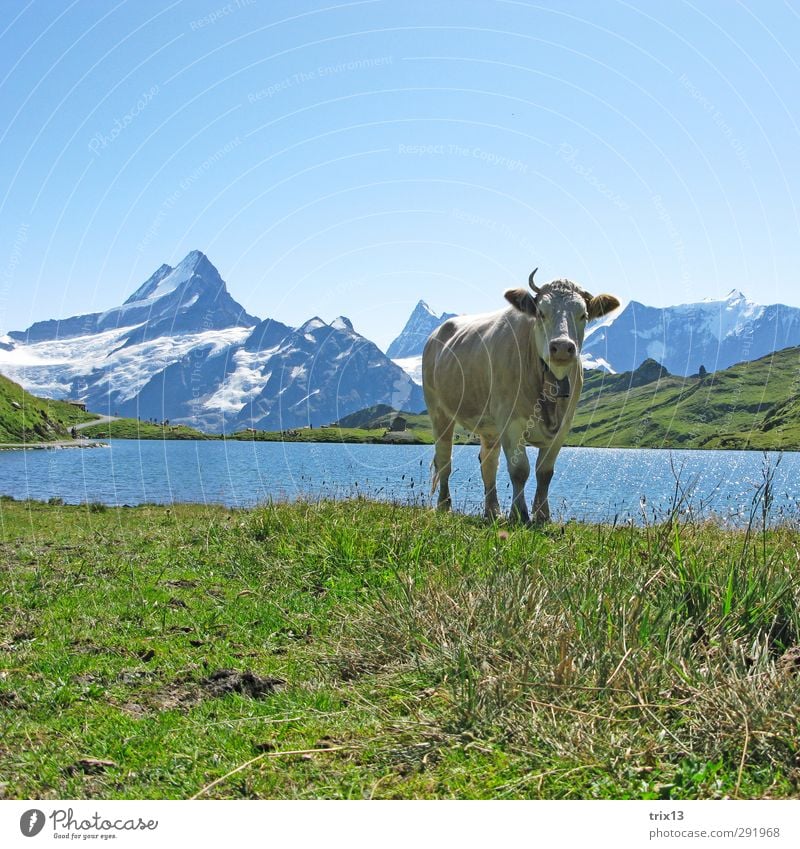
(33, 446)
(26, 446)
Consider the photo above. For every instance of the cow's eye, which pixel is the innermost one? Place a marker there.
(584, 317)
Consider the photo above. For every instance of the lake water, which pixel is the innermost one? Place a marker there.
(591, 484)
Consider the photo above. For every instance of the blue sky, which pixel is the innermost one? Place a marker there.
(352, 158)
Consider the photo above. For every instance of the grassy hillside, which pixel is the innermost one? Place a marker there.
(136, 429)
(26, 418)
(369, 650)
(750, 405)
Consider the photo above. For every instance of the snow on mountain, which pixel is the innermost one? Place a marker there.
(180, 348)
(712, 333)
(318, 373)
(715, 333)
(590, 361)
(421, 323)
(103, 370)
(412, 366)
(192, 297)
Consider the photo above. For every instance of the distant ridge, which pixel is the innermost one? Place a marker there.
(710, 333)
(421, 323)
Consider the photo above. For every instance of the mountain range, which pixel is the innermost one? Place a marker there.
(181, 348)
(714, 334)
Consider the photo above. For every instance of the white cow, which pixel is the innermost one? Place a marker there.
(514, 377)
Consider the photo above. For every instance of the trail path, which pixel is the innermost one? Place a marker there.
(98, 421)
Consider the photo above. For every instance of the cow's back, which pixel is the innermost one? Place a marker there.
(470, 362)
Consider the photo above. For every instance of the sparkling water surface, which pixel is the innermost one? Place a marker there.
(590, 484)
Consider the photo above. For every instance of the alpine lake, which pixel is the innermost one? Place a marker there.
(590, 485)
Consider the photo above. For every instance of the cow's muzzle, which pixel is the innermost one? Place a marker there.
(562, 350)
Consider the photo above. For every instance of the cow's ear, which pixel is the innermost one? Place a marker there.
(522, 300)
(600, 305)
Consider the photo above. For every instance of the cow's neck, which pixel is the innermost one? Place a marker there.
(558, 398)
(562, 384)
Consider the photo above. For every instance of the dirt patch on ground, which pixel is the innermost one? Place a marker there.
(9, 699)
(183, 694)
(225, 681)
(89, 766)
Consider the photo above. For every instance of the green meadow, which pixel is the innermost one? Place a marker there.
(364, 650)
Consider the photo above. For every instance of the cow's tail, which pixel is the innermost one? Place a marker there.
(434, 476)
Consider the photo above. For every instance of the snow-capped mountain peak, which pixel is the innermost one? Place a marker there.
(149, 286)
(342, 323)
(192, 297)
(421, 323)
(194, 272)
(714, 333)
(181, 348)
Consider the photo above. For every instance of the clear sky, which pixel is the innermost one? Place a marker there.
(352, 158)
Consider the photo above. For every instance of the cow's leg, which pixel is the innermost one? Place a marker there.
(490, 455)
(545, 462)
(443, 436)
(518, 470)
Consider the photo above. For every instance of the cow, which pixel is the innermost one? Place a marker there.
(514, 377)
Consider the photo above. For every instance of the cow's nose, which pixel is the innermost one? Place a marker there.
(562, 349)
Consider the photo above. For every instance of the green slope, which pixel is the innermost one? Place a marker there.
(750, 405)
(25, 418)
(137, 429)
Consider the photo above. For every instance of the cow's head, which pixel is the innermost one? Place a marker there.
(560, 311)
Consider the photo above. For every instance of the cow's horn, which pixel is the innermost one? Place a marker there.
(531, 283)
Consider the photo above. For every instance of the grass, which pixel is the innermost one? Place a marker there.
(136, 429)
(754, 405)
(404, 654)
(26, 418)
(419, 432)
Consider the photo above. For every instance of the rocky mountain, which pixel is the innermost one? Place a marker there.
(189, 298)
(713, 334)
(181, 348)
(316, 373)
(421, 323)
(406, 349)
